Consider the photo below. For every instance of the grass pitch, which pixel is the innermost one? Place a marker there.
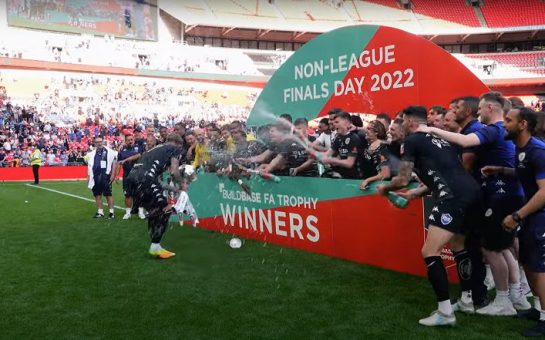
(66, 275)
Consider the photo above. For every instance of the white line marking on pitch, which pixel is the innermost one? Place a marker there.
(67, 194)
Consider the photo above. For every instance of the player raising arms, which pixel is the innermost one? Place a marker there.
(437, 165)
(146, 190)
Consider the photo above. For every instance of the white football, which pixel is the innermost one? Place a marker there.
(235, 243)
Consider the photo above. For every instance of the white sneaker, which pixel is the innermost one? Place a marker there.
(127, 216)
(438, 319)
(497, 308)
(464, 307)
(521, 303)
(141, 215)
(489, 282)
(526, 290)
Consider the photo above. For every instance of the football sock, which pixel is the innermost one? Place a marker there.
(502, 296)
(100, 211)
(437, 275)
(445, 307)
(515, 291)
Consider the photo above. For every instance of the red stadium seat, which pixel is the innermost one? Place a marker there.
(521, 13)
(525, 61)
(454, 10)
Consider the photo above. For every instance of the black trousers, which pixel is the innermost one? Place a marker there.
(35, 171)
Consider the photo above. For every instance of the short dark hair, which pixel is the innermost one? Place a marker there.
(287, 117)
(344, 116)
(471, 103)
(438, 110)
(529, 115)
(455, 100)
(300, 121)
(357, 121)
(494, 96)
(418, 112)
(334, 111)
(324, 121)
(385, 116)
(516, 102)
(128, 135)
(174, 137)
(398, 121)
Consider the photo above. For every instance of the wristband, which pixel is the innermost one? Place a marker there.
(516, 217)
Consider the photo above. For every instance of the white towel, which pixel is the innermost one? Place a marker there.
(111, 157)
(183, 205)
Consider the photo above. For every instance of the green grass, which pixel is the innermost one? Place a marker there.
(65, 275)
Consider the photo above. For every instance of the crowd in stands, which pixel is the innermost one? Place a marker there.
(133, 54)
(62, 119)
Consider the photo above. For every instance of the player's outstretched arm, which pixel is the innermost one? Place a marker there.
(465, 141)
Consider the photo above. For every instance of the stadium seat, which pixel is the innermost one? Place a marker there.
(453, 10)
(518, 63)
(521, 13)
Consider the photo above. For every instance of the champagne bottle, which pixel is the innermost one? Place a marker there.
(397, 200)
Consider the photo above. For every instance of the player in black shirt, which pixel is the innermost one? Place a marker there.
(146, 190)
(454, 192)
(345, 155)
(292, 157)
(376, 164)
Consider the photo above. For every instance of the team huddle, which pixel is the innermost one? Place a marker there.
(480, 162)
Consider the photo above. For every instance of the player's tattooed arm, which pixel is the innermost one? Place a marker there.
(402, 179)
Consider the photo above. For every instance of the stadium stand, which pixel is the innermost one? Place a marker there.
(493, 66)
(454, 11)
(521, 13)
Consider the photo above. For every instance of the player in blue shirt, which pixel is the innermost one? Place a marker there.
(127, 157)
(520, 123)
(502, 195)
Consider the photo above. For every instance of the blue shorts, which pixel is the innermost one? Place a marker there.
(494, 236)
(532, 242)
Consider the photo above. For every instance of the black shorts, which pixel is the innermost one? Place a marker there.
(102, 188)
(125, 185)
(494, 236)
(453, 215)
(532, 243)
(145, 191)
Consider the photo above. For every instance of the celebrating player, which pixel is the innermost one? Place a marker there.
(147, 191)
(437, 165)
